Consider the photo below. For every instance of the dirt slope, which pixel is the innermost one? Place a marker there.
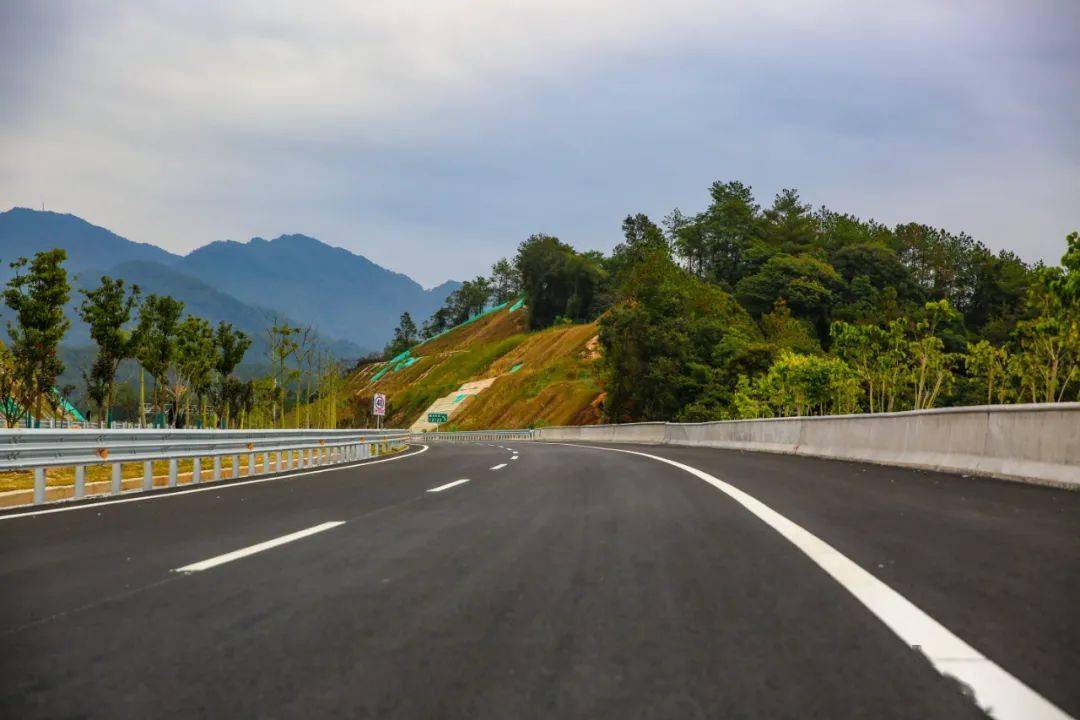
(541, 378)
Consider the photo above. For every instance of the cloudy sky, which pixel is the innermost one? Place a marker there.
(434, 136)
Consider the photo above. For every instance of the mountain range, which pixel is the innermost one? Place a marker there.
(351, 302)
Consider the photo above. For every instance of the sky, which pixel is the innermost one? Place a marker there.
(432, 137)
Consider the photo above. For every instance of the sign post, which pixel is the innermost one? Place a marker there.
(378, 408)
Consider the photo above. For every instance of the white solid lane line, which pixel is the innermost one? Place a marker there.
(447, 486)
(1000, 694)
(252, 549)
(210, 486)
(500, 466)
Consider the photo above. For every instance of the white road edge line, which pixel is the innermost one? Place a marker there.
(447, 486)
(500, 466)
(257, 548)
(998, 693)
(208, 487)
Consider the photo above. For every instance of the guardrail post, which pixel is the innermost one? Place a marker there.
(196, 469)
(148, 475)
(117, 478)
(80, 481)
(251, 464)
(172, 471)
(39, 485)
(236, 466)
(217, 467)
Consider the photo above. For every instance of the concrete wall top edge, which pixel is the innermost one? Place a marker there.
(968, 409)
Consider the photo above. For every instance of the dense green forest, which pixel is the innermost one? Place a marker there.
(748, 311)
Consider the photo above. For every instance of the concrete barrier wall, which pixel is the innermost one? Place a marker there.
(1036, 443)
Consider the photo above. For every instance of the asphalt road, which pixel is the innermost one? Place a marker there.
(571, 582)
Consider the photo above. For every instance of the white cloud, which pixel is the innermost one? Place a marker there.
(179, 123)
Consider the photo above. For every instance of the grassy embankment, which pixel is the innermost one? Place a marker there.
(555, 384)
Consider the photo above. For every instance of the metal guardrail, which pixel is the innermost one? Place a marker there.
(476, 435)
(39, 450)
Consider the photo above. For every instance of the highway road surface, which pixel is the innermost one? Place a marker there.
(550, 581)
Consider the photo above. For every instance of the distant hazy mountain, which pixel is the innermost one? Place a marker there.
(24, 232)
(343, 295)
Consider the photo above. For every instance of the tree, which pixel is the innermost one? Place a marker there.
(789, 225)
(282, 345)
(10, 409)
(989, 366)
(642, 239)
(37, 294)
(505, 281)
(932, 369)
(809, 286)
(405, 336)
(107, 309)
(159, 321)
(230, 346)
(672, 346)
(725, 242)
(558, 282)
(1047, 358)
(196, 357)
(798, 385)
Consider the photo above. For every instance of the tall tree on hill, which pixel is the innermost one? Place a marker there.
(789, 225)
(37, 294)
(505, 281)
(405, 336)
(558, 282)
(159, 322)
(107, 309)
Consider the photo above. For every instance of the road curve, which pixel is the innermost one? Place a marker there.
(571, 582)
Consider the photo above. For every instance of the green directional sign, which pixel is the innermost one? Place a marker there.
(437, 418)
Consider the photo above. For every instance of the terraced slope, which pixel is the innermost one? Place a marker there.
(541, 378)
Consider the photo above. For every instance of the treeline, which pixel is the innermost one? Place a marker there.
(187, 366)
(749, 311)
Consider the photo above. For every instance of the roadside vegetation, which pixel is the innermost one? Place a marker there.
(738, 311)
(744, 311)
(186, 366)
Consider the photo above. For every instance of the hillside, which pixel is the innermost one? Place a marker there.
(487, 373)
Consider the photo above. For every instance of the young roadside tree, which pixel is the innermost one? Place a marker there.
(230, 346)
(107, 309)
(193, 372)
(37, 294)
(988, 366)
(282, 342)
(10, 409)
(1047, 359)
(159, 321)
(96, 381)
